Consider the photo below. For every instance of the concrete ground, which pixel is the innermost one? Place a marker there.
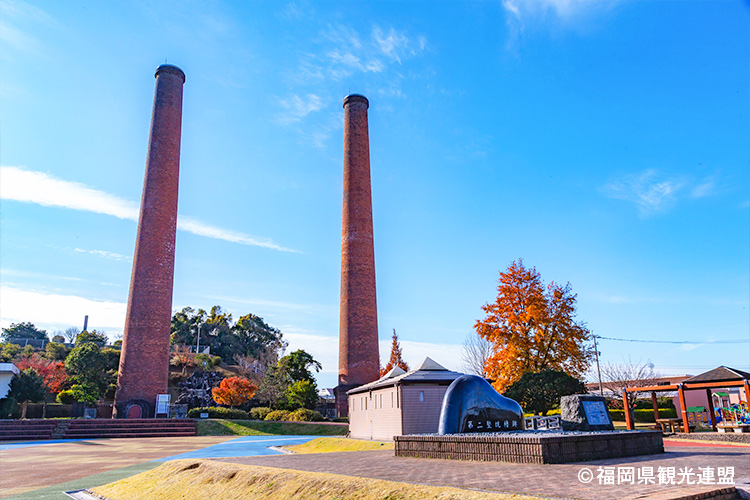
(551, 481)
(43, 471)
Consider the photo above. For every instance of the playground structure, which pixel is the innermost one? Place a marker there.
(723, 417)
(731, 416)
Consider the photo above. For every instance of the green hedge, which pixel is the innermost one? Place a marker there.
(644, 415)
(278, 415)
(259, 412)
(305, 415)
(219, 412)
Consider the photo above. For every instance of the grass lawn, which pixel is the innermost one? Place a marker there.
(209, 479)
(333, 445)
(221, 427)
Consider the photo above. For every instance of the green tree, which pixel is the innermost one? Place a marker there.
(541, 392)
(88, 367)
(23, 331)
(27, 386)
(55, 351)
(86, 393)
(92, 336)
(301, 394)
(58, 338)
(249, 336)
(296, 366)
(257, 337)
(9, 352)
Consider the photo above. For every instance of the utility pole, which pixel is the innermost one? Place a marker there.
(598, 372)
(198, 344)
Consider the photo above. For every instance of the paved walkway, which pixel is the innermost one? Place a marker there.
(27, 467)
(550, 481)
(42, 470)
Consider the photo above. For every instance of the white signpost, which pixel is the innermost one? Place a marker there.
(162, 404)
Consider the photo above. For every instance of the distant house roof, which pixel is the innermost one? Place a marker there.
(326, 393)
(427, 372)
(8, 368)
(720, 374)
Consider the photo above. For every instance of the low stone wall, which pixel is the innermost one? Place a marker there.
(531, 447)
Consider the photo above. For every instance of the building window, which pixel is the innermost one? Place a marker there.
(391, 400)
(421, 396)
(381, 401)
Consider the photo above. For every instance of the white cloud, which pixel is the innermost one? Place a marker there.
(27, 186)
(397, 45)
(564, 9)
(56, 312)
(296, 107)
(706, 188)
(103, 253)
(650, 191)
(43, 189)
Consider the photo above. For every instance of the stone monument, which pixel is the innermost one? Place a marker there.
(471, 404)
(144, 360)
(359, 361)
(585, 412)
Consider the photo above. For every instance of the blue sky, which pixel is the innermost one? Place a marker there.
(604, 142)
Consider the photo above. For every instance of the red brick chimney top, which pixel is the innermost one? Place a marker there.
(168, 68)
(356, 98)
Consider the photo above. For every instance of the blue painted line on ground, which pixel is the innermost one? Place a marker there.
(27, 444)
(246, 446)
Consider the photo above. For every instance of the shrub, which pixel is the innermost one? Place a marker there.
(216, 360)
(259, 413)
(277, 415)
(305, 415)
(644, 415)
(110, 392)
(218, 412)
(9, 408)
(343, 420)
(66, 397)
(203, 362)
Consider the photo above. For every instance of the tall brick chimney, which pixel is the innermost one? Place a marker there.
(144, 361)
(359, 361)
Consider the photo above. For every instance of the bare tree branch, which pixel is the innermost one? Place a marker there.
(476, 351)
(628, 374)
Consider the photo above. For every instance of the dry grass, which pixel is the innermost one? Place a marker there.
(333, 445)
(181, 479)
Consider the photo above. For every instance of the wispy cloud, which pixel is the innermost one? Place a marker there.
(397, 45)
(650, 191)
(14, 17)
(561, 8)
(522, 13)
(43, 189)
(103, 253)
(58, 311)
(296, 107)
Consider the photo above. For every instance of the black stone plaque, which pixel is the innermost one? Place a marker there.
(585, 412)
(471, 405)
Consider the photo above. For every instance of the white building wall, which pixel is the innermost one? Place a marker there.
(375, 415)
(7, 371)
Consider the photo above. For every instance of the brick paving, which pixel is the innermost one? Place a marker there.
(549, 481)
(27, 469)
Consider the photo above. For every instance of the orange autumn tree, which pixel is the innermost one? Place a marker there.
(52, 372)
(396, 359)
(533, 328)
(234, 391)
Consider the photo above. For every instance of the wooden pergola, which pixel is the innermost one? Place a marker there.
(681, 388)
